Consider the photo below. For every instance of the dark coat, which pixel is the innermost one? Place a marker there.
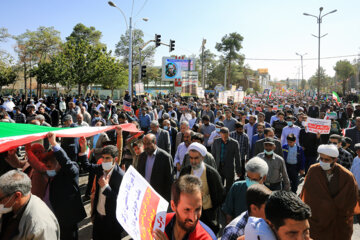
(313, 111)
(55, 117)
(232, 155)
(162, 172)
(216, 188)
(64, 192)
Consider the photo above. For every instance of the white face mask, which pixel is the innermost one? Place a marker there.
(4, 210)
(107, 165)
(325, 166)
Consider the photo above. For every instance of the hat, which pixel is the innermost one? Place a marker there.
(329, 150)
(220, 124)
(41, 99)
(357, 146)
(67, 118)
(257, 228)
(269, 141)
(195, 146)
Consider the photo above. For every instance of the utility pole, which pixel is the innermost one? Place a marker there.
(225, 79)
(202, 63)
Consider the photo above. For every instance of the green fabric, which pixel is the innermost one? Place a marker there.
(235, 202)
(18, 129)
(336, 96)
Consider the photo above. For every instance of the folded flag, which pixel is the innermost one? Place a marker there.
(127, 106)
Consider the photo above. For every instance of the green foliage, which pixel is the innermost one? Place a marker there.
(114, 74)
(325, 80)
(230, 46)
(88, 34)
(344, 70)
(7, 75)
(303, 84)
(4, 35)
(122, 49)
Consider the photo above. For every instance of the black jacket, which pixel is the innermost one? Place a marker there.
(216, 189)
(162, 172)
(64, 192)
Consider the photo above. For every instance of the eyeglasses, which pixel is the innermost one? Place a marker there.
(4, 197)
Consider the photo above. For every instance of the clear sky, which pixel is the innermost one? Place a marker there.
(272, 29)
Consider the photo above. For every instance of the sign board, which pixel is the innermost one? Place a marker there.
(263, 71)
(140, 210)
(238, 96)
(353, 90)
(233, 88)
(331, 115)
(222, 98)
(172, 67)
(255, 100)
(316, 125)
(139, 88)
(200, 92)
(189, 83)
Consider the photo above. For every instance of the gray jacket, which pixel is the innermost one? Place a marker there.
(163, 140)
(38, 222)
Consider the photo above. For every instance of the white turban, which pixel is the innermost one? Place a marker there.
(329, 150)
(257, 228)
(199, 148)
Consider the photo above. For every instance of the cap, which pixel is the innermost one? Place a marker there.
(220, 124)
(269, 141)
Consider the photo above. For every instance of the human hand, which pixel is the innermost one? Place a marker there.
(178, 167)
(82, 143)
(159, 235)
(103, 181)
(118, 129)
(52, 138)
(28, 147)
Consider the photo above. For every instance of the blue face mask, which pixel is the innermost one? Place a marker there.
(165, 127)
(268, 152)
(289, 123)
(218, 130)
(51, 173)
(250, 182)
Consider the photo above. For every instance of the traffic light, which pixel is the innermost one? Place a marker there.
(157, 40)
(172, 45)
(143, 71)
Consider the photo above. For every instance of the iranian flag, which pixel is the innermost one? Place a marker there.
(13, 135)
(270, 94)
(336, 97)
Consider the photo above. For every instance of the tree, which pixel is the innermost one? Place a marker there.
(114, 75)
(7, 75)
(88, 34)
(303, 84)
(344, 70)
(325, 79)
(122, 49)
(230, 46)
(209, 63)
(4, 35)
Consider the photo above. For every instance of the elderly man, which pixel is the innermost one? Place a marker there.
(211, 188)
(23, 215)
(184, 126)
(162, 136)
(227, 154)
(80, 121)
(277, 178)
(235, 203)
(331, 192)
(182, 150)
(156, 166)
(259, 145)
(86, 115)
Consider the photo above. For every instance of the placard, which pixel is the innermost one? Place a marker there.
(222, 98)
(139, 89)
(238, 96)
(140, 210)
(189, 83)
(316, 125)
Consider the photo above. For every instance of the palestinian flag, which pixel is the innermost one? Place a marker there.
(13, 135)
(336, 97)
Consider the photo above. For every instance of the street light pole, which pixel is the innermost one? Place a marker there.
(130, 58)
(302, 67)
(319, 20)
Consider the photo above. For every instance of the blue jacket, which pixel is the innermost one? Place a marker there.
(300, 156)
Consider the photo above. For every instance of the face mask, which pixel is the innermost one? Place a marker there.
(289, 123)
(250, 182)
(250, 109)
(325, 166)
(218, 130)
(165, 127)
(269, 152)
(106, 165)
(51, 173)
(4, 210)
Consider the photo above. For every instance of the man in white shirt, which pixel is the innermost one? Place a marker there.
(216, 133)
(249, 127)
(182, 150)
(290, 128)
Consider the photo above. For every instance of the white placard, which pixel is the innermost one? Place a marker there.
(238, 96)
(316, 125)
(140, 210)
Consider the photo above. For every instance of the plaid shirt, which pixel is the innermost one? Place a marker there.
(236, 227)
(345, 158)
(244, 145)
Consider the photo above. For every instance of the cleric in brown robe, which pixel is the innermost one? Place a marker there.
(331, 192)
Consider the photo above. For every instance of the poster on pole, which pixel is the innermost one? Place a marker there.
(140, 210)
(172, 67)
(316, 125)
(238, 96)
(139, 88)
(189, 83)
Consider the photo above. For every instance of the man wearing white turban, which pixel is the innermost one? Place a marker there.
(213, 192)
(331, 192)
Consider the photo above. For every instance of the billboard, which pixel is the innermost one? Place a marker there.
(189, 83)
(172, 67)
(263, 71)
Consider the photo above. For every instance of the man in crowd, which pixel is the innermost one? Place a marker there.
(182, 150)
(331, 192)
(162, 136)
(244, 146)
(345, 158)
(354, 133)
(211, 187)
(23, 215)
(227, 154)
(277, 177)
(259, 145)
(249, 127)
(229, 121)
(184, 222)
(206, 129)
(235, 202)
(290, 128)
(279, 124)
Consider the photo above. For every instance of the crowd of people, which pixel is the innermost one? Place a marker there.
(229, 171)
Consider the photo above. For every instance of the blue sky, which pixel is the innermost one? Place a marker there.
(273, 29)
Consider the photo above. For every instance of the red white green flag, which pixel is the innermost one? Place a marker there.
(336, 97)
(13, 135)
